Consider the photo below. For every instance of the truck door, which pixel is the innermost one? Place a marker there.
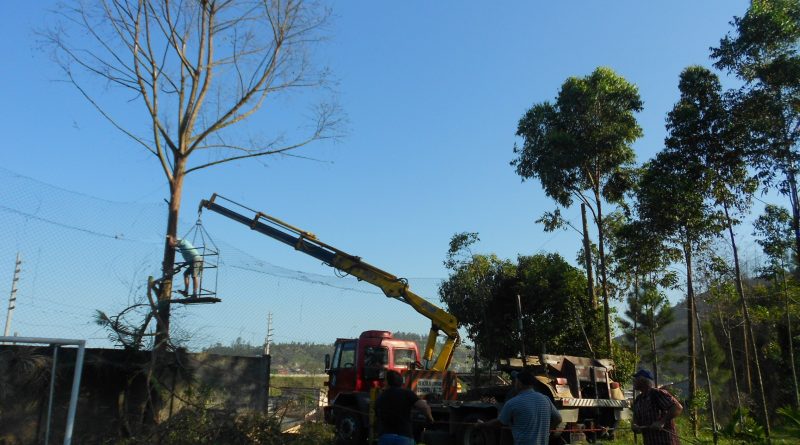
(343, 369)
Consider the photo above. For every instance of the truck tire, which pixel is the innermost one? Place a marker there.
(470, 435)
(432, 437)
(349, 430)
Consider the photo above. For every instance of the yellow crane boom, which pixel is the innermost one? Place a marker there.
(392, 286)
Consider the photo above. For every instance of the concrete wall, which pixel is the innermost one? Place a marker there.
(113, 390)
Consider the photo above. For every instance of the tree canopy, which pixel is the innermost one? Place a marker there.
(482, 293)
(579, 147)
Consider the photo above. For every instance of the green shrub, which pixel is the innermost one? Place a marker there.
(258, 428)
(746, 429)
(313, 434)
(791, 419)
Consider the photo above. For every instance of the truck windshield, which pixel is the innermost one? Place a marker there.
(345, 355)
(376, 357)
(403, 358)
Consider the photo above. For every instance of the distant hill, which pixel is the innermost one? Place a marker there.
(674, 371)
(309, 358)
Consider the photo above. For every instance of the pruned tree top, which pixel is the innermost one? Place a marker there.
(198, 68)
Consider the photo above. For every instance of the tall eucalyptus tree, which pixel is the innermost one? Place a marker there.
(774, 232)
(702, 129)
(579, 147)
(764, 51)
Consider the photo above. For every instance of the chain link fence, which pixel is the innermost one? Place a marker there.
(81, 254)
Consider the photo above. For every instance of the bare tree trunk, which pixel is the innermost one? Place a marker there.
(746, 331)
(168, 264)
(727, 333)
(747, 322)
(748, 378)
(654, 348)
(793, 201)
(708, 377)
(789, 335)
(604, 278)
(636, 321)
(587, 249)
(690, 322)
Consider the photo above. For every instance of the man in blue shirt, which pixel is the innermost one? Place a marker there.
(193, 261)
(529, 414)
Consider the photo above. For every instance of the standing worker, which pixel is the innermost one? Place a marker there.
(393, 408)
(654, 411)
(530, 414)
(193, 261)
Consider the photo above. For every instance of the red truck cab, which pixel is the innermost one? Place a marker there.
(360, 364)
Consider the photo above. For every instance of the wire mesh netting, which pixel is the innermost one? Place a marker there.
(81, 254)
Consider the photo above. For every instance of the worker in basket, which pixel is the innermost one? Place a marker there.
(193, 262)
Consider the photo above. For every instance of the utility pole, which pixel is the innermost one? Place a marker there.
(12, 299)
(268, 339)
(521, 333)
(266, 361)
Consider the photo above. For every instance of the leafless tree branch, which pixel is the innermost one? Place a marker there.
(200, 68)
(109, 118)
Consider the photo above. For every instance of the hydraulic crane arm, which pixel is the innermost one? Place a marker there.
(391, 285)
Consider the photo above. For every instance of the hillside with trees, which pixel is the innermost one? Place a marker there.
(309, 358)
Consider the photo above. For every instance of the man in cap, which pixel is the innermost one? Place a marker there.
(654, 411)
(530, 414)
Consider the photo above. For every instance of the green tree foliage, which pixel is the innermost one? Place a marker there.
(701, 129)
(701, 125)
(640, 262)
(718, 373)
(723, 310)
(482, 293)
(791, 416)
(763, 51)
(647, 315)
(773, 229)
(696, 129)
(641, 258)
(682, 222)
(579, 147)
(469, 294)
(554, 315)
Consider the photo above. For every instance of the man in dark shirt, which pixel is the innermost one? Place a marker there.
(393, 409)
(654, 411)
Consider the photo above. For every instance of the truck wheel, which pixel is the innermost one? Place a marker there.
(470, 435)
(349, 430)
(435, 438)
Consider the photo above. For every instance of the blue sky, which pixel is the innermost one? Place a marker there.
(433, 92)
